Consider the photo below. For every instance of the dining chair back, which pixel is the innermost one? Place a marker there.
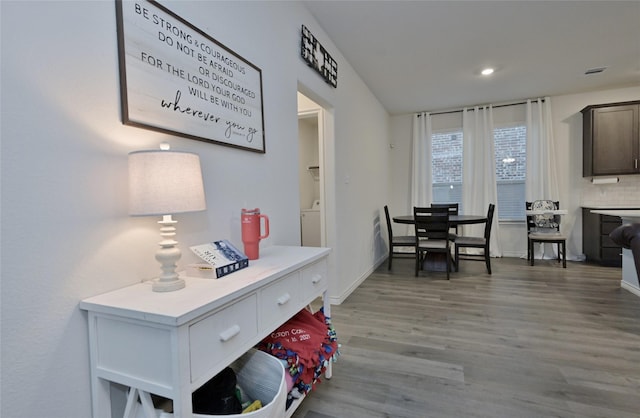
(453, 207)
(432, 234)
(482, 243)
(397, 241)
(543, 220)
(453, 210)
(545, 228)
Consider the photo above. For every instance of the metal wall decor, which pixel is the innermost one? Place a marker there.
(318, 58)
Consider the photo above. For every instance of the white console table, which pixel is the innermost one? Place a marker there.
(170, 344)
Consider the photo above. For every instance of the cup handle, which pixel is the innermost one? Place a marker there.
(266, 226)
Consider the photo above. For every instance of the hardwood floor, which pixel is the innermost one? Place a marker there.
(538, 341)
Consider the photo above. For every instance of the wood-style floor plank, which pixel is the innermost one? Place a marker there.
(538, 341)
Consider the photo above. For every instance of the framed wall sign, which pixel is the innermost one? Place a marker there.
(318, 58)
(174, 78)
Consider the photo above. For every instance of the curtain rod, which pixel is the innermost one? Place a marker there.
(471, 108)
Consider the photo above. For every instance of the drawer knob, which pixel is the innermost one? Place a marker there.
(284, 299)
(316, 279)
(229, 333)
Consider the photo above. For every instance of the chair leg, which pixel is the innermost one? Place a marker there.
(390, 257)
(564, 254)
(457, 250)
(417, 261)
(487, 260)
(448, 263)
(531, 251)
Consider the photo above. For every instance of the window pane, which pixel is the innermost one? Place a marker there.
(448, 193)
(446, 148)
(511, 165)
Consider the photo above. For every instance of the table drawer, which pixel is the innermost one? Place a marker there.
(314, 280)
(280, 300)
(220, 335)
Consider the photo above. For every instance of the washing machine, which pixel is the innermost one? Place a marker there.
(310, 225)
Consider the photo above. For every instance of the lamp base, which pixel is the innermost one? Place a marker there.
(168, 255)
(161, 285)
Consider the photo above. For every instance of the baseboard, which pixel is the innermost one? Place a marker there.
(341, 298)
(631, 288)
(513, 254)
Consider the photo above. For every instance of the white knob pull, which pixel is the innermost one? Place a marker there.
(316, 279)
(229, 333)
(284, 299)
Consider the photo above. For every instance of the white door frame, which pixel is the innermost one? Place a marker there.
(319, 115)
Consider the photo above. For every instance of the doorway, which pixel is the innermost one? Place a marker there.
(311, 172)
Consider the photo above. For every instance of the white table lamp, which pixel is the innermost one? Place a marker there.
(163, 183)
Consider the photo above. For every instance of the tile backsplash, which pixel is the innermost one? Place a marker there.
(624, 194)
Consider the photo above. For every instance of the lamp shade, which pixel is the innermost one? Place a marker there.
(165, 183)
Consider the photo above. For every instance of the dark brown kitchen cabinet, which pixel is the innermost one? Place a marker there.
(596, 244)
(611, 139)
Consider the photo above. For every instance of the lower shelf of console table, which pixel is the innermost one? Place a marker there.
(170, 344)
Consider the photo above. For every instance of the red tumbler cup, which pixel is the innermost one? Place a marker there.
(251, 237)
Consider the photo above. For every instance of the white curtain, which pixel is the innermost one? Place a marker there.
(479, 187)
(542, 179)
(421, 176)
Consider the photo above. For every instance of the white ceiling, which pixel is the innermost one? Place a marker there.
(427, 55)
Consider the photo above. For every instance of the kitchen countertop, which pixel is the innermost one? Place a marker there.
(613, 207)
(631, 215)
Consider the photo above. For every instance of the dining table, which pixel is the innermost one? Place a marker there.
(454, 220)
(438, 261)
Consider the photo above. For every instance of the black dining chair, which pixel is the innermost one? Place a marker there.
(453, 210)
(545, 228)
(476, 242)
(396, 241)
(432, 234)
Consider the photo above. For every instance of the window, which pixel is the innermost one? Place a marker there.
(510, 153)
(511, 164)
(446, 167)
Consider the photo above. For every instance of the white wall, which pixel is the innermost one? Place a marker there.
(66, 233)
(575, 191)
(356, 153)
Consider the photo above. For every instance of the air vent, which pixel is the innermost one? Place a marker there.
(595, 70)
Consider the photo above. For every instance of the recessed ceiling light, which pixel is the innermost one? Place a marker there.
(487, 71)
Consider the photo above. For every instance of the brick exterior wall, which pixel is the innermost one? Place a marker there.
(511, 143)
(447, 157)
